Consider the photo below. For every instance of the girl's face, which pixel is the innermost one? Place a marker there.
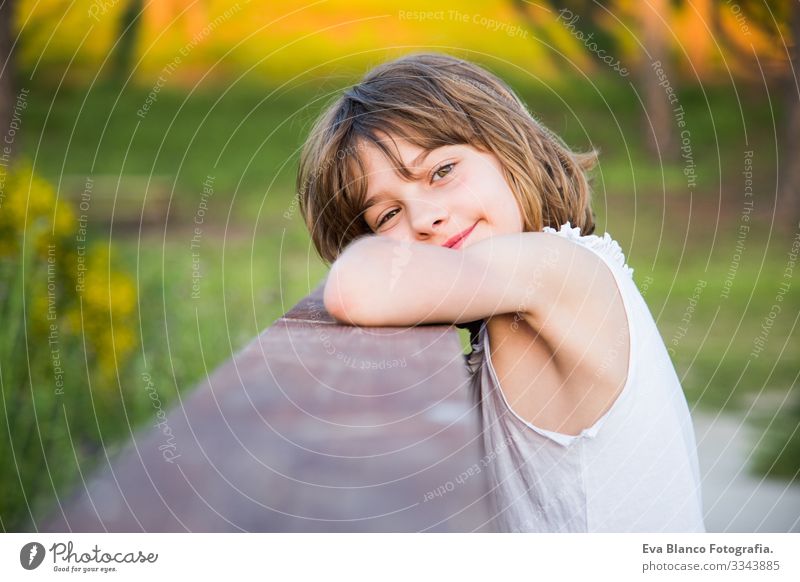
(458, 197)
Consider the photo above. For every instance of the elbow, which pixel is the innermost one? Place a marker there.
(339, 299)
(349, 294)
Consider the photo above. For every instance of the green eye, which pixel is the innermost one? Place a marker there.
(448, 167)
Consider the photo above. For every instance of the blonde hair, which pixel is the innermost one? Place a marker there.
(432, 100)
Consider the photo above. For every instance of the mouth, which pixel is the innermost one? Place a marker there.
(456, 241)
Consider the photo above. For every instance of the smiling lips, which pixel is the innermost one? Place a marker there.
(455, 242)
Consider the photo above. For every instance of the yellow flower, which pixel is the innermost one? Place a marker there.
(30, 211)
(63, 221)
(123, 295)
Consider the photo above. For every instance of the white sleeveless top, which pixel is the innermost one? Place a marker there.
(634, 470)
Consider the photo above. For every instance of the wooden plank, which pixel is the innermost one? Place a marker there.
(313, 427)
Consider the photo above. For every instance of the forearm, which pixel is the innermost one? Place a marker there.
(379, 281)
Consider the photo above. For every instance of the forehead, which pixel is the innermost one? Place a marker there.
(377, 161)
(379, 168)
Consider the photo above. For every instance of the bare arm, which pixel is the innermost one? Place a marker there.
(379, 281)
(560, 288)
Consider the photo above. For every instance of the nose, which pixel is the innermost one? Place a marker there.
(425, 218)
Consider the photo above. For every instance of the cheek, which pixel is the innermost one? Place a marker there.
(471, 187)
(510, 212)
(516, 213)
(491, 184)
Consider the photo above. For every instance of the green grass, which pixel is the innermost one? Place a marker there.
(245, 139)
(249, 137)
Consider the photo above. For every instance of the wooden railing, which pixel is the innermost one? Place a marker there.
(313, 427)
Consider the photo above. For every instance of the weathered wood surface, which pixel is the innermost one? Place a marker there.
(313, 427)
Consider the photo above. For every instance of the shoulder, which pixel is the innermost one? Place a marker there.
(557, 269)
(579, 309)
(605, 247)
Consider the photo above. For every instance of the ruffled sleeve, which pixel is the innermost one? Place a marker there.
(604, 246)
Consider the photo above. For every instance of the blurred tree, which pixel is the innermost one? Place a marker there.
(7, 71)
(191, 15)
(697, 42)
(776, 24)
(656, 123)
(753, 38)
(789, 178)
(128, 29)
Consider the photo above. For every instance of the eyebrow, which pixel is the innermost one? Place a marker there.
(415, 162)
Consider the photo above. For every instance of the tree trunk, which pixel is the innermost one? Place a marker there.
(127, 31)
(789, 151)
(7, 71)
(657, 117)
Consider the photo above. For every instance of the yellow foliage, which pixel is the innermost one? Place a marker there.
(179, 41)
(96, 309)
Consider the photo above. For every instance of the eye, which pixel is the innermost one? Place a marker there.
(442, 172)
(386, 217)
(437, 172)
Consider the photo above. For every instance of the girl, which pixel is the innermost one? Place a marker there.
(439, 199)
